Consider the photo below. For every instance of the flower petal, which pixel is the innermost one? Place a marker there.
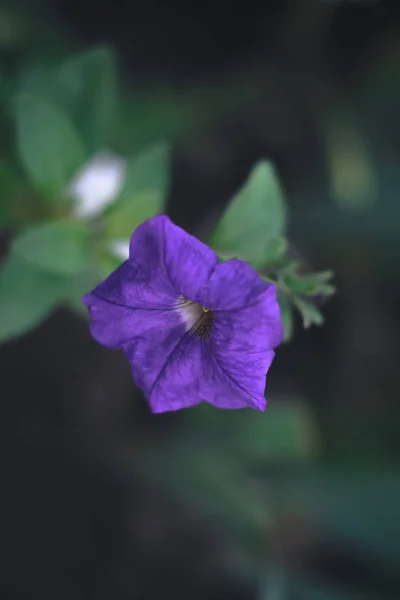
(243, 351)
(236, 285)
(238, 383)
(136, 296)
(183, 373)
(218, 387)
(188, 262)
(135, 286)
(114, 326)
(157, 345)
(244, 339)
(188, 376)
(171, 377)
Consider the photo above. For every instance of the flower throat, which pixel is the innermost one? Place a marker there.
(197, 318)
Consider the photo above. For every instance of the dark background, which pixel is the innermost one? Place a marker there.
(72, 525)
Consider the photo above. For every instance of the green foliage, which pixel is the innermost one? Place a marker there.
(300, 290)
(63, 113)
(310, 284)
(48, 145)
(86, 87)
(254, 222)
(58, 246)
(309, 312)
(49, 265)
(286, 315)
(252, 228)
(27, 295)
(144, 193)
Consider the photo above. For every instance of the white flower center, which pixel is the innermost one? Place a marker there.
(196, 318)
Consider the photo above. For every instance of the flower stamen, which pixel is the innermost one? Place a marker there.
(198, 319)
(203, 326)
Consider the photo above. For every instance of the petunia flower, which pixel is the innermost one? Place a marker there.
(193, 328)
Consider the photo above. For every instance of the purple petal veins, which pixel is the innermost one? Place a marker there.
(192, 328)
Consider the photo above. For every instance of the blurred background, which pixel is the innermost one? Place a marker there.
(100, 498)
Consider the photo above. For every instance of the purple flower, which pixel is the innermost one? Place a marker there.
(193, 329)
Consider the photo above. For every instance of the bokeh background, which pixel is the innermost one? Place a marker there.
(100, 498)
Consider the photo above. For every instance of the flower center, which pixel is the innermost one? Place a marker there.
(197, 318)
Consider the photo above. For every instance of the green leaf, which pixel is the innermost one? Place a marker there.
(108, 264)
(312, 284)
(254, 220)
(36, 79)
(59, 246)
(286, 316)
(48, 145)
(86, 88)
(144, 193)
(275, 251)
(309, 312)
(76, 287)
(27, 296)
